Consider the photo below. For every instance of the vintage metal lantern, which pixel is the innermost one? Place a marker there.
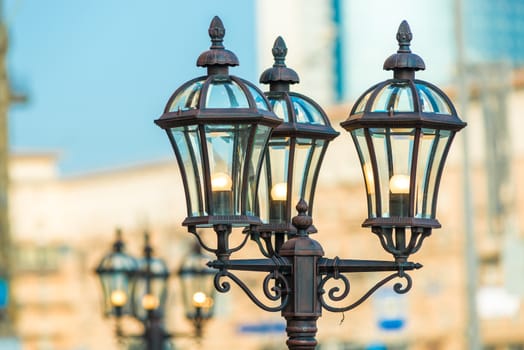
(198, 290)
(149, 291)
(116, 271)
(219, 125)
(402, 128)
(295, 152)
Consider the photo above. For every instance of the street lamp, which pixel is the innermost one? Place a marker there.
(402, 129)
(138, 288)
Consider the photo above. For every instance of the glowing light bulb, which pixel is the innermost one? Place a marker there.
(199, 299)
(399, 184)
(118, 298)
(279, 192)
(149, 302)
(221, 182)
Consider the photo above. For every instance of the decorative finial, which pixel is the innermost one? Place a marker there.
(148, 250)
(279, 76)
(216, 33)
(404, 37)
(217, 59)
(404, 63)
(302, 221)
(118, 246)
(279, 52)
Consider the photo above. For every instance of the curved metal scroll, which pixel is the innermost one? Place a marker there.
(334, 294)
(279, 291)
(213, 250)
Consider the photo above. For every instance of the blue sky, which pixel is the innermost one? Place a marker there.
(99, 72)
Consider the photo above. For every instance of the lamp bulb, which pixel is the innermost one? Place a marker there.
(279, 191)
(399, 184)
(118, 298)
(221, 182)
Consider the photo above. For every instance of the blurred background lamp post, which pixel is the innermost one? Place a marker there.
(138, 288)
(270, 147)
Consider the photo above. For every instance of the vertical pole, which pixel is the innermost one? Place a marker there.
(304, 307)
(472, 331)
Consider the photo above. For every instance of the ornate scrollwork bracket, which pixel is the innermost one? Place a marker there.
(334, 269)
(275, 284)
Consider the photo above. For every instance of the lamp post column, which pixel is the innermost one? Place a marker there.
(303, 310)
(154, 332)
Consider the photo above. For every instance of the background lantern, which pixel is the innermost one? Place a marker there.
(115, 271)
(218, 126)
(198, 290)
(402, 128)
(149, 290)
(295, 149)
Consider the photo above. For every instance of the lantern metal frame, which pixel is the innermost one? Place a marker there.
(298, 278)
(149, 312)
(313, 130)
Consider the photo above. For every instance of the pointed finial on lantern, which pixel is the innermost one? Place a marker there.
(217, 59)
(404, 63)
(279, 77)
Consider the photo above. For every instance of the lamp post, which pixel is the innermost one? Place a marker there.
(219, 125)
(138, 288)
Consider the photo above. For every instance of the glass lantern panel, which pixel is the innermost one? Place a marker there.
(225, 94)
(396, 97)
(432, 149)
(116, 288)
(382, 149)
(280, 109)
(261, 138)
(359, 139)
(187, 99)
(273, 197)
(431, 101)
(149, 287)
(198, 291)
(307, 156)
(306, 113)
(361, 104)
(401, 155)
(259, 98)
(187, 143)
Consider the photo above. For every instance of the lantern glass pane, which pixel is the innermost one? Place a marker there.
(276, 168)
(149, 287)
(431, 152)
(198, 291)
(225, 94)
(359, 139)
(188, 98)
(280, 109)
(381, 145)
(307, 156)
(361, 104)
(261, 138)
(187, 142)
(305, 112)
(431, 101)
(395, 97)
(260, 101)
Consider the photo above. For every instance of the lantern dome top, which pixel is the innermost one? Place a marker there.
(217, 55)
(117, 261)
(404, 60)
(404, 101)
(301, 115)
(279, 73)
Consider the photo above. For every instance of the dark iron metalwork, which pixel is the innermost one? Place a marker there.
(415, 122)
(298, 278)
(294, 155)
